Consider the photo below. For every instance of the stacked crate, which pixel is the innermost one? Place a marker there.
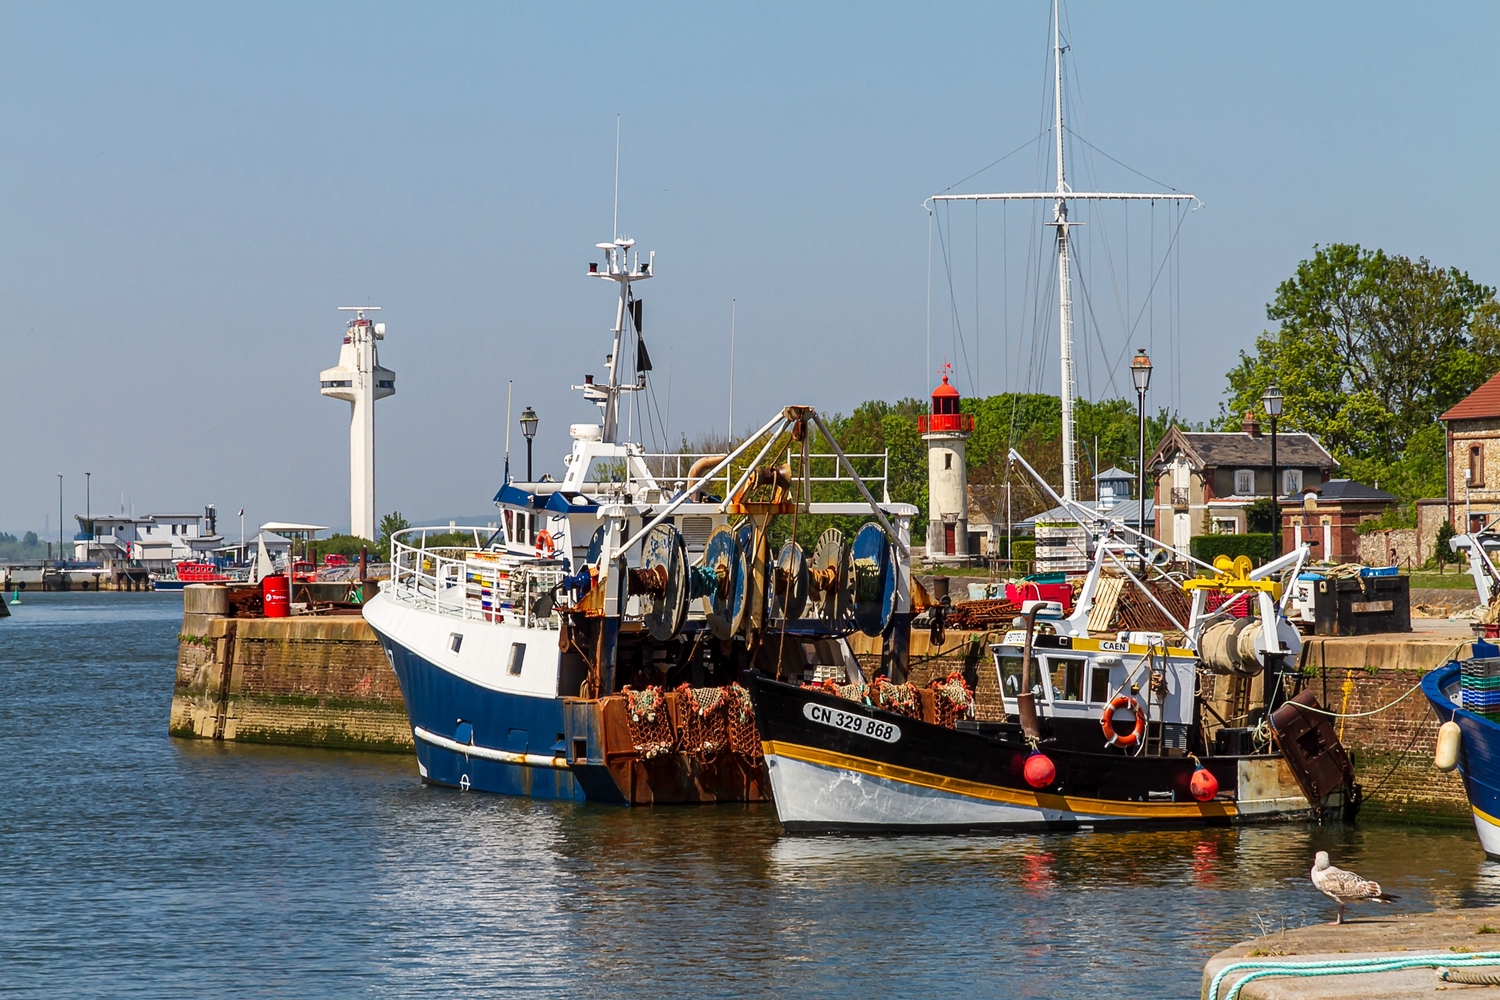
(486, 579)
(1479, 686)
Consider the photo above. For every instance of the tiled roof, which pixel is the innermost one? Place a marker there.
(1348, 489)
(1482, 402)
(1236, 449)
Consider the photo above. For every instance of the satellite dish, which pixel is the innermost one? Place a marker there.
(725, 604)
(874, 580)
(830, 576)
(663, 554)
(790, 582)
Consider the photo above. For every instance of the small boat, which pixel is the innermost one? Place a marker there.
(1097, 731)
(1467, 693)
(186, 573)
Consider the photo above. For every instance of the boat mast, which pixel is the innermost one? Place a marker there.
(1059, 197)
(1064, 289)
(619, 267)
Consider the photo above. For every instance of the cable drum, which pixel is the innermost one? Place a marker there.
(1228, 647)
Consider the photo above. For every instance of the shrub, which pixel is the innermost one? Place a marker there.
(1256, 546)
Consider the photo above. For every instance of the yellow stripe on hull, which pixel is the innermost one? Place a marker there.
(1010, 796)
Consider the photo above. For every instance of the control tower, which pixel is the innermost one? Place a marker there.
(359, 379)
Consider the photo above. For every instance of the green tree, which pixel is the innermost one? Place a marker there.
(1371, 348)
(389, 525)
(1443, 553)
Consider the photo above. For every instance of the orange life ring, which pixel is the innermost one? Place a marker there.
(545, 548)
(1107, 722)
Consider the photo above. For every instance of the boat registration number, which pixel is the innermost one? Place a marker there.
(860, 725)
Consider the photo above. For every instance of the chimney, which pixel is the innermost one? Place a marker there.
(1251, 425)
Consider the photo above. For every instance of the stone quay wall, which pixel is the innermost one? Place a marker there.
(320, 681)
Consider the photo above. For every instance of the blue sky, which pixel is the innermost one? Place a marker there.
(188, 192)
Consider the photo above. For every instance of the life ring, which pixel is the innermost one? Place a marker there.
(1107, 722)
(545, 549)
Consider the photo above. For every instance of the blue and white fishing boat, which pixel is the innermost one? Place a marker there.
(1465, 696)
(592, 646)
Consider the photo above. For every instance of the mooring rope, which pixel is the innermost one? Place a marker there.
(1344, 967)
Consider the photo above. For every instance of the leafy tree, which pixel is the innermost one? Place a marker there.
(1443, 553)
(389, 525)
(1371, 348)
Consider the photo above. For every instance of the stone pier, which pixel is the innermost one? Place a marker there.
(312, 680)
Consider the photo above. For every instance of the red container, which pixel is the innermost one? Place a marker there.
(276, 596)
(1062, 593)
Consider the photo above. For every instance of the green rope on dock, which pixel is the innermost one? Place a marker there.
(1345, 967)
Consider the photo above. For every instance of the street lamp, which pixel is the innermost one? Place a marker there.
(528, 428)
(59, 517)
(1140, 373)
(1272, 400)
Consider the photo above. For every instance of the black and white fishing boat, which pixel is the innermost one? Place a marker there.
(1097, 730)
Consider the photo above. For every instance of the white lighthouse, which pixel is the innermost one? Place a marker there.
(946, 432)
(359, 379)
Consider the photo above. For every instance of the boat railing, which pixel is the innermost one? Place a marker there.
(473, 582)
(824, 467)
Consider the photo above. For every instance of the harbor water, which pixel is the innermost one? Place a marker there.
(132, 864)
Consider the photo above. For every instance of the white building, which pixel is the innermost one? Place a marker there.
(156, 541)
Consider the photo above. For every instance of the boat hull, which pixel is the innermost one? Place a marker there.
(1478, 760)
(828, 775)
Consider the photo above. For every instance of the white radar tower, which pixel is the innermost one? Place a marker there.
(359, 379)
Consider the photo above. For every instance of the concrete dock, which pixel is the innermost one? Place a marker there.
(1454, 934)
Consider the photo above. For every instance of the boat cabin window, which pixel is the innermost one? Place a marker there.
(1099, 684)
(1067, 678)
(510, 518)
(1010, 676)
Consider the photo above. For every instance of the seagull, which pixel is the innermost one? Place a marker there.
(1345, 887)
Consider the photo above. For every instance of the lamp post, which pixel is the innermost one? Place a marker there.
(528, 428)
(1140, 373)
(1273, 400)
(59, 518)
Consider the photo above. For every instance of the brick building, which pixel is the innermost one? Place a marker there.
(1206, 481)
(1474, 457)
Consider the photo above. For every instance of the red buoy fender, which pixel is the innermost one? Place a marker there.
(1039, 770)
(1204, 785)
(1107, 722)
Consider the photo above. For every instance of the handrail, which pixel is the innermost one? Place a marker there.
(440, 580)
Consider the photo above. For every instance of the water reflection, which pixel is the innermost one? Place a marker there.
(262, 871)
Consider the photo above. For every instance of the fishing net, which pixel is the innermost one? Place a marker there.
(650, 723)
(850, 692)
(744, 738)
(951, 698)
(899, 698)
(705, 723)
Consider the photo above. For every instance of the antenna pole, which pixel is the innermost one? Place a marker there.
(1064, 289)
(617, 179)
(508, 387)
(732, 308)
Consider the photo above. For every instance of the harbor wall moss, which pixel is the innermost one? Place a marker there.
(302, 681)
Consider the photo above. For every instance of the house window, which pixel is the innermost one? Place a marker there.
(1226, 526)
(1244, 482)
(1291, 481)
(1476, 465)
